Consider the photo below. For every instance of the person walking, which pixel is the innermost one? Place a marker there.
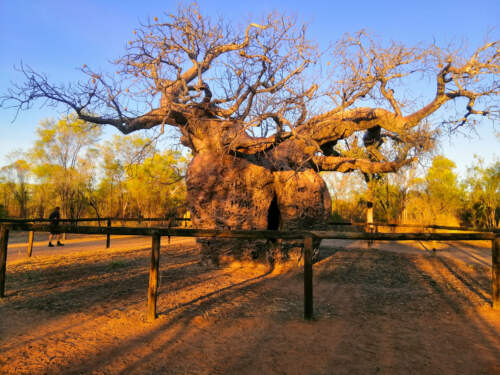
(54, 218)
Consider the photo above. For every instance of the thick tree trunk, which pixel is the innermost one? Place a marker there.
(227, 192)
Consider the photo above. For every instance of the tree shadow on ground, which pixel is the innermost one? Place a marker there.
(387, 285)
(400, 313)
(84, 283)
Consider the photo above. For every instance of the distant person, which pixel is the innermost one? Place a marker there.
(54, 218)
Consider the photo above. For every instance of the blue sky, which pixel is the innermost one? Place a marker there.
(55, 37)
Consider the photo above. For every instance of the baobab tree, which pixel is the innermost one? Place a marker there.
(264, 112)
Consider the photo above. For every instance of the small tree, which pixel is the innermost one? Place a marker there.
(58, 157)
(157, 184)
(117, 156)
(437, 196)
(482, 206)
(17, 175)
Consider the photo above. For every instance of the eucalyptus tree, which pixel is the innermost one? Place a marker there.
(16, 176)
(61, 161)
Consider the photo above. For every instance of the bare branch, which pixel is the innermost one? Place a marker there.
(249, 92)
(344, 164)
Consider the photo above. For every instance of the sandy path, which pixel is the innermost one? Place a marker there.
(18, 251)
(478, 252)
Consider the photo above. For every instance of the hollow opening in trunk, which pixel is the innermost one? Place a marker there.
(273, 215)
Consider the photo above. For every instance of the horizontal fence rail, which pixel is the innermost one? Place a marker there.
(392, 225)
(42, 220)
(306, 235)
(177, 232)
(254, 234)
(357, 224)
(403, 236)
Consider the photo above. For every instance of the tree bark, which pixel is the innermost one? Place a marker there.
(227, 192)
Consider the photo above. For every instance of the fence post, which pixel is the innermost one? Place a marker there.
(31, 238)
(153, 277)
(308, 277)
(108, 236)
(495, 273)
(4, 240)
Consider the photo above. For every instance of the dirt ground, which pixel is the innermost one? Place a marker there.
(390, 309)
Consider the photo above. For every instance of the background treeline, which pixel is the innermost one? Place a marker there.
(436, 195)
(129, 176)
(68, 166)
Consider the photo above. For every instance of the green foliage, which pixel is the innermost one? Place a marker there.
(346, 192)
(158, 183)
(442, 184)
(62, 163)
(336, 217)
(140, 180)
(15, 176)
(481, 207)
(346, 210)
(3, 212)
(388, 201)
(68, 167)
(437, 197)
(61, 143)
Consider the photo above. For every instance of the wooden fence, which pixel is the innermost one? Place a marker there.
(376, 225)
(74, 222)
(307, 236)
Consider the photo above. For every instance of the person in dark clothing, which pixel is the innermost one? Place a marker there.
(54, 218)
